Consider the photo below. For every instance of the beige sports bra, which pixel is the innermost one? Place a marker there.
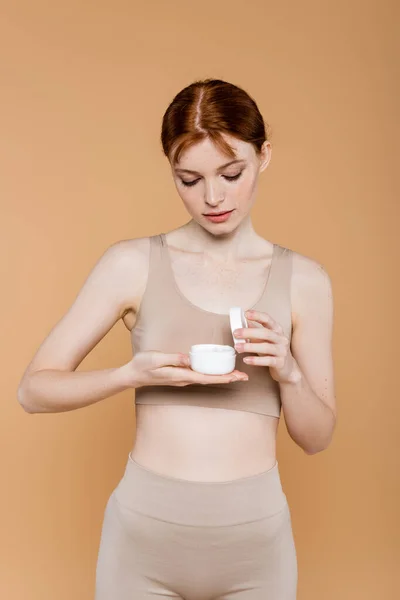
(168, 322)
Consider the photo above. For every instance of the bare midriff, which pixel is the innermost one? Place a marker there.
(204, 444)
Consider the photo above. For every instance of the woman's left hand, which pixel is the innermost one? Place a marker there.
(271, 345)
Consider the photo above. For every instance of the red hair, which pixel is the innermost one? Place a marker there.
(206, 109)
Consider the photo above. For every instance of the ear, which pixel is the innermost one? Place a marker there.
(265, 155)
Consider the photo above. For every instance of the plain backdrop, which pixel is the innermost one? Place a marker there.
(84, 86)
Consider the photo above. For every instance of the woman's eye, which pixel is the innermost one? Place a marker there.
(233, 177)
(227, 177)
(189, 183)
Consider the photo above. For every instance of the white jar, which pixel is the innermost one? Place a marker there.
(218, 359)
(212, 359)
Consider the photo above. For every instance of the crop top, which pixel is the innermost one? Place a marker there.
(168, 322)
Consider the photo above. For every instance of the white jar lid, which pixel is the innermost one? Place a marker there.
(238, 321)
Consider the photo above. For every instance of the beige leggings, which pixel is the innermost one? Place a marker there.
(164, 537)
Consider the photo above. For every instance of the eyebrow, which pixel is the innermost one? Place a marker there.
(232, 162)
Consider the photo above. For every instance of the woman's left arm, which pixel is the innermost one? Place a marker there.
(304, 367)
(308, 395)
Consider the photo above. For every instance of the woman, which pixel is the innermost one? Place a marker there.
(200, 512)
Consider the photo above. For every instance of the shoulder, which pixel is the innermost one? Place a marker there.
(124, 267)
(311, 286)
(127, 257)
(127, 251)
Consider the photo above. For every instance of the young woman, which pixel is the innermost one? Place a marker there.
(200, 512)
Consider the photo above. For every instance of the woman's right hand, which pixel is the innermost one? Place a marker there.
(158, 368)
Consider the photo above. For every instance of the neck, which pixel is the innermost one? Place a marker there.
(223, 247)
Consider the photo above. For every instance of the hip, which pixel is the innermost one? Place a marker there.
(188, 539)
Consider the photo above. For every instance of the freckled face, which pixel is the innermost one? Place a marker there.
(206, 182)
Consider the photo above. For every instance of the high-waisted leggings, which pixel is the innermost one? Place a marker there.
(164, 537)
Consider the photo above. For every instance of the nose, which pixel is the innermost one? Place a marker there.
(213, 194)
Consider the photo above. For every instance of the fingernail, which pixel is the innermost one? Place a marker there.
(239, 347)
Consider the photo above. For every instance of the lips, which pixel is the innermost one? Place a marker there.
(217, 214)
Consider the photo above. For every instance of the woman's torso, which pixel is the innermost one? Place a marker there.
(205, 443)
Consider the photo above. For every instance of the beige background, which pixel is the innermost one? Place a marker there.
(83, 89)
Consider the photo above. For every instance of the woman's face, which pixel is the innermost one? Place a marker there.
(207, 184)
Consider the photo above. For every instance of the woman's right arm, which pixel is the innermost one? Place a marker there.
(50, 382)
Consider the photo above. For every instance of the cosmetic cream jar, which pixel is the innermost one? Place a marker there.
(218, 359)
(212, 359)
